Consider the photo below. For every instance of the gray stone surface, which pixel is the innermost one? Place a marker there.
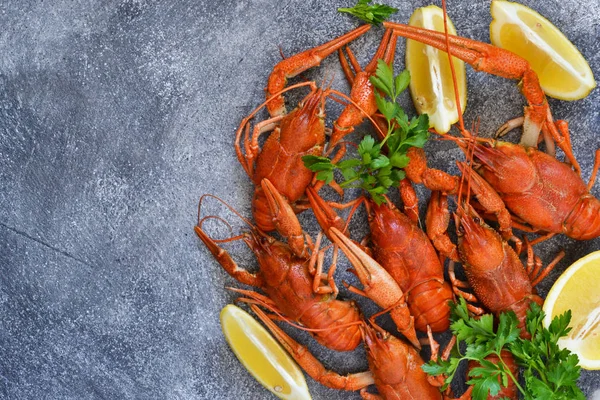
(115, 117)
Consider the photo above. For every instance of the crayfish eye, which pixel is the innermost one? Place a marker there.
(477, 220)
(264, 240)
(461, 229)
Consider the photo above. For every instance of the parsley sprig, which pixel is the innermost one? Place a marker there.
(548, 372)
(379, 168)
(374, 14)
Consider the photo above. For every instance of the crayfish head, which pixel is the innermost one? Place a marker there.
(304, 127)
(507, 167)
(274, 258)
(396, 366)
(479, 246)
(266, 247)
(387, 354)
(386, 219)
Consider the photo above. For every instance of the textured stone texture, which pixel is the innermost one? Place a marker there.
(115, 117)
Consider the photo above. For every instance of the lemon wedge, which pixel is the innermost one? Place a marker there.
(431, 85)
(563, 72)
(262, 355)
(577, 290)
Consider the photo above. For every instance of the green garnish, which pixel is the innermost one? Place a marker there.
(374, 14)
(374, 171)
(548, 372)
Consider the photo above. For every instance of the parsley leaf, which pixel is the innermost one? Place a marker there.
(548, 371)
(373, 14)
(379, 165)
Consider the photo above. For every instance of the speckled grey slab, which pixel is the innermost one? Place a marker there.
(115, 117)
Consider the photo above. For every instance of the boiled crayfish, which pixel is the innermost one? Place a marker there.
(289, 282)
(394, 366)
(403, 249)
(294, 135)
(542, 193)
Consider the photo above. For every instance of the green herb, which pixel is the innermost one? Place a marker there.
(374, 171)
(548, 372)
(373, 14)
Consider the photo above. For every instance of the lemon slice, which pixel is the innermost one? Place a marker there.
(577, 290)
(563, 72)
(431, 84)
(262, 355)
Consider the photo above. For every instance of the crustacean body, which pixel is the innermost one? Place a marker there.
(287, 281)
(404, 250)
(293, 135)
(299, 133)
(394, 365)
(497, 277)
(292, 287)
(542, 193)
(494, 271)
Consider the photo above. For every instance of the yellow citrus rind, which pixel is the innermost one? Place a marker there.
(577, 290)
(431, 85)
(564, 73)
(262, 355)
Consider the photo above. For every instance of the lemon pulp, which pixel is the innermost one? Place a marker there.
(577, 290)
(431, 85)
(262, 355)
(562, 70)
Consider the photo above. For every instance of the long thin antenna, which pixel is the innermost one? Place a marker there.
(456, 95)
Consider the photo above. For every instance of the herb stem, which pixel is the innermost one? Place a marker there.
(509, 372)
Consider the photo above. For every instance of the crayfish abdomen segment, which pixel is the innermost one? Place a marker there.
(261, 212)
(288, 283)
(584, 221)
(429, 303)
(331, 314)
(521, 307)
(406, 253)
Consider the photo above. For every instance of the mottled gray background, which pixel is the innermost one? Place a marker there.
(115, 117)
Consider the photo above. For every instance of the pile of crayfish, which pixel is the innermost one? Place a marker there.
(400, 266)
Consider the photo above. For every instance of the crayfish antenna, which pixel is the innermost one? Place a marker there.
(310, 364)
(233, 210)
(222, 256)
(461, 123)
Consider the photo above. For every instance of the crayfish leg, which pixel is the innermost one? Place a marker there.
(315, 267)
(458, 285)
(222, 256)
(437, 221)
(284, 219)
(313, 367)
(378, 284)
(409, 200)
(299, 63)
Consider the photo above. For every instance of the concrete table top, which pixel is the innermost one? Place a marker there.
(115, 117)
